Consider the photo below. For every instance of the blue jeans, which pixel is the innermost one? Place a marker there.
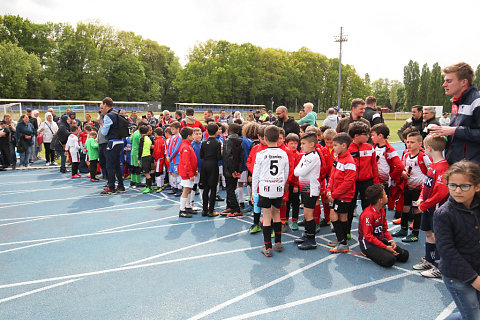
(25, 157)
(466, 297)
(63, 160)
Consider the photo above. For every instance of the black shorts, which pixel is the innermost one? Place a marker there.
(147, 164)
(267, 202)
(427, 221)
(411, 197)
(308, 201)
(340, 206)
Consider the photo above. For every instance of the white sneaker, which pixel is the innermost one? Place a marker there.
(423, 265)
(432, 273)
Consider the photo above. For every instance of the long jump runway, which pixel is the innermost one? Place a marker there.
(68, 253)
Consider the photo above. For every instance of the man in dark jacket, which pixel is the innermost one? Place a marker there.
(416, 121)
(61, 139)
(371, 114)
(232, 168)
(287, 123)
(463, 134)
(429, 120)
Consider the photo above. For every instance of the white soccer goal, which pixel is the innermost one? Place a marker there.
(78, 108)
(13, 109)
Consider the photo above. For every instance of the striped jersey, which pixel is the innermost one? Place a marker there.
(308, 172)
(270, 172)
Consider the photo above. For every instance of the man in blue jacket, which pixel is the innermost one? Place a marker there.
(110, 130)
(463, 134)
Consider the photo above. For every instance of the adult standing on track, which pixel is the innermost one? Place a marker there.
(62, 136)
(110, 130)
(463, 134)
(12, 126)
(310, 115)
(429, 120)
(284, 121)
(416, 121)
(48, 128)
(25, 137)
(371, 114)
(358, 109)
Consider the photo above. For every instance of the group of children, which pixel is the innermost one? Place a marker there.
(319, 168)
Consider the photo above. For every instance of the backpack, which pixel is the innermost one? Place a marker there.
(124, 125)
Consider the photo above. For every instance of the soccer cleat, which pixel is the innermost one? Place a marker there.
(191, 211)
(234, 214)
(76, 176)
(302, 223)
(266, 252)
(294, 225)
(285, 227)
(317, 228)
(141, 185)
(160, 189)
(179, 193)
(302, 239)
(410, 238)
(431, 273)
(397, 221)
(204, 214)
(400, 233)
(120, 189)
(184, 214)
(88, 175)
(423, 265)
(126, 177)
(324, 223)
(349, 236)
(340, 248)
(218, 198)
(147, 190)
(255, 228)
(333, 243)
(212, 214)
(172, 191)
(278, 246)
(94, 180)
(108, 192)
(308, 244)
(226, 212)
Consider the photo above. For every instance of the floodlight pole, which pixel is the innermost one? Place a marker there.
(341, 38)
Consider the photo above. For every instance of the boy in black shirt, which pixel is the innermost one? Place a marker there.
(210, 152)
(4, 145)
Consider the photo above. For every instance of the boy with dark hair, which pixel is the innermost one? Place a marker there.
(159, 157)
(375, 241)
(308, 171)
(270, 174)
(340, 191)
(242, 181)
(434, 194)
(250, 165)
(91, 145)
(249, 131)
(196, 145)
(173, 157)
(232, 167)
(71, 148)
(292, 141)
(187, 169)
(211, 153)
(145, 156)
(416, 164)
(366, 164)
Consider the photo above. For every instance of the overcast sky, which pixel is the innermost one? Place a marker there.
(382, 35)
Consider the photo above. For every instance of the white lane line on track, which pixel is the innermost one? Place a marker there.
(447, 311)
(104, 233)
(184, 248)
(97, 210)
(30, 246)
(22, 221)
(8, 193)
(137, 266)
(318, 297)
(139, 223)
(37, 290)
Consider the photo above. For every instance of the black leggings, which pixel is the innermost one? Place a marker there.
(93, 168)
(384, 258)
(49, 154)
(208, 198)
(294, 201)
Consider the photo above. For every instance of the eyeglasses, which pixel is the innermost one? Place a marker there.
(463, 187)
(364, 134)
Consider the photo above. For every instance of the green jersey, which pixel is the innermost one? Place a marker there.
(92, 148)
(135, 139)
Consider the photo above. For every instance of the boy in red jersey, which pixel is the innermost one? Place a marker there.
(375, 241)
(366, 163)
(340, 191)
(416, 164)
(434, 194)
(159, 157)
(187, 169)
(291, 166)
(292, 141)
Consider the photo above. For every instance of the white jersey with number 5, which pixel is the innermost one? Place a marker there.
(270, 172)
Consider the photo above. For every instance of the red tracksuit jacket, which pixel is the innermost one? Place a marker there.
(343, 176)
(187, 166)
(365, 160)
(253, 155)
(373, 228)
(159, 151)
(434, 191)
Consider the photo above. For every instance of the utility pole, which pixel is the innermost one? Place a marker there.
(341, 38)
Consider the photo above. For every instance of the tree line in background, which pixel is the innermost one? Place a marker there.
(91, 61)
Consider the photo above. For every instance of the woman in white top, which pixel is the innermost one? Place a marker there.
(48, 128)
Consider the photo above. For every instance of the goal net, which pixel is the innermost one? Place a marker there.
(13, 109)
(79, 110)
